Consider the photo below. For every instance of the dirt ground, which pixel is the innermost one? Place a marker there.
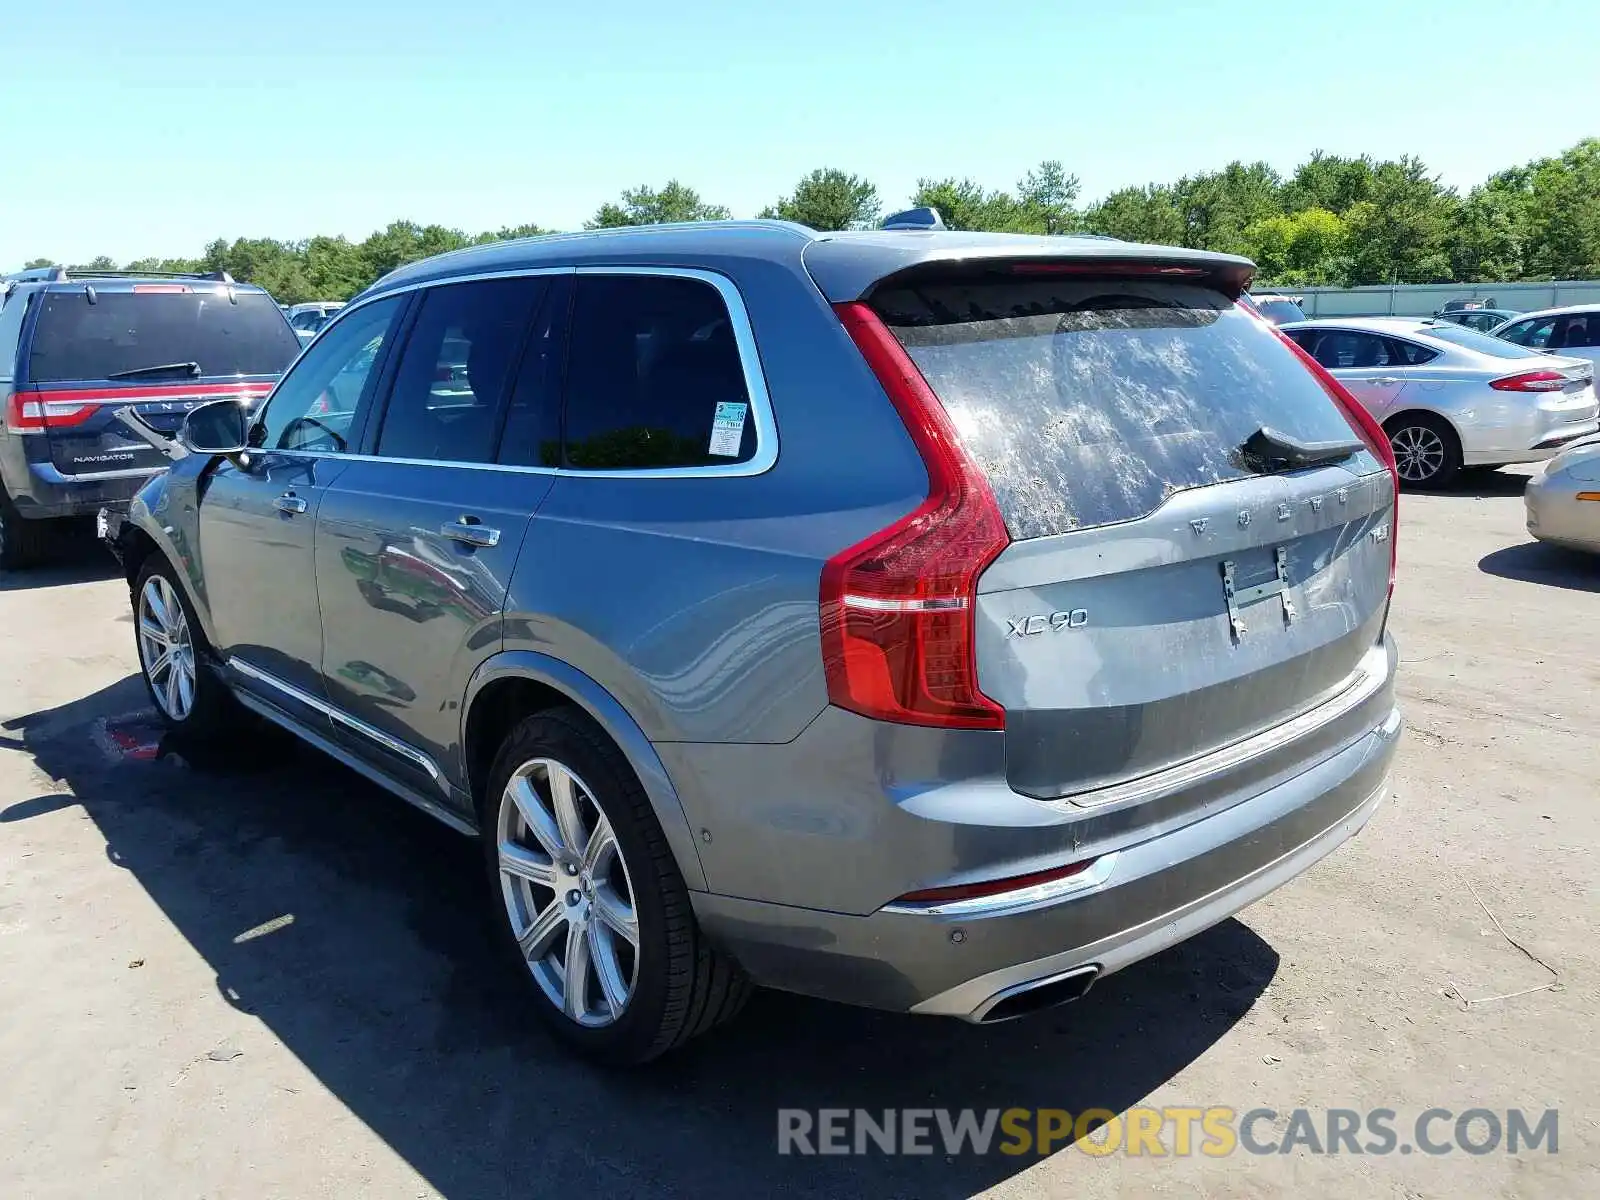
(257, 976)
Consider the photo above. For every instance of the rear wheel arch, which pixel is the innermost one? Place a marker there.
(516, 684)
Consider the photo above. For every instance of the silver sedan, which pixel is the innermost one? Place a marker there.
(1564, 503)
(1450, 397)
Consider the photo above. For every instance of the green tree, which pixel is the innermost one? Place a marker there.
(1217, 207)
(645, 206)
(1306, 248)
(1402, 233)
(966, 204)
(1045, 197)
(1486, 242)
(828, 199)
(1330, 182)
(100, 262)
(33, 264)
(1139, 214)
(1563, 214)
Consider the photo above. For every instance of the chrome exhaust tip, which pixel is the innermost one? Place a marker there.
(1035, 995)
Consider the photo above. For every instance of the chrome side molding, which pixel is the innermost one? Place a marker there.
(394, 745)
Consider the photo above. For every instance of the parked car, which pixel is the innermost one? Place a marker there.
(1573, 332)
(76, 346)
(1053, 631)
(1278, 309)
(1484, 320)
(1450, 397)
(1563, 504)
(313, 315)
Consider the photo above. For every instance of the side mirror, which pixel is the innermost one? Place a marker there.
(216, 428)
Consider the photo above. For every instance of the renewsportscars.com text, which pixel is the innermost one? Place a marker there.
(1215, 1132)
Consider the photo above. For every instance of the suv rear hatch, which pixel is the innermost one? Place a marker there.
(1199, 525)
(162, 347)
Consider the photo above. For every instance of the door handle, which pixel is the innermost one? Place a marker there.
(470, 532)
(1386, 381)
(289, 503)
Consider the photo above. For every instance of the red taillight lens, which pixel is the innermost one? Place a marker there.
(898, 622)
(34, 412)
(1532, 381)
(1364, 423)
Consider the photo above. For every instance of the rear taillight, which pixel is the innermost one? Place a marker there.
(1364, 423)
(34, 412)
(898, 619)
(994, 887)
(1532, 381)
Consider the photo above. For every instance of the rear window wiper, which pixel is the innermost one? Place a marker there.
(1268, 450)
(188, 368)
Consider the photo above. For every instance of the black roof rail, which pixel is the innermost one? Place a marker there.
(37, 275)
(94, 273)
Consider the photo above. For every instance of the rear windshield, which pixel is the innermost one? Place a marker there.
(1090, 403)
(1280, 312)
(126, 331)
(1472, 339)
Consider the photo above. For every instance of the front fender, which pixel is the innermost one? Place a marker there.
(164, 510)
(618, 724)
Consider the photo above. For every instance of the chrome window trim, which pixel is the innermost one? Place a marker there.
(766, 453)
(334, 713)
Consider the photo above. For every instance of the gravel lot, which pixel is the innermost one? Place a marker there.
(167, 1030)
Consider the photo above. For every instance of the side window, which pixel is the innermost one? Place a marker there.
(1352, 351)
(1408, 354)
(11, 315)
(1306, 339)
(1533, 334)
(449, 390)
(654, 377)
(1576, 332)
(315, 405)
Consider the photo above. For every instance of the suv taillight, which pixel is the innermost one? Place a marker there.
(898, 619)
(34, 412)
(1366, 425)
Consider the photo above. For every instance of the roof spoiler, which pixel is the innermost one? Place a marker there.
(852, 268)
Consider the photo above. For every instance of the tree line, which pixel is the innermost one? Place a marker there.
(1335, 220)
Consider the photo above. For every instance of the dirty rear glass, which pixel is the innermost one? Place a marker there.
(1088, 403)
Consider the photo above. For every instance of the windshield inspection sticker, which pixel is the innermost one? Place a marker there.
(727, 429)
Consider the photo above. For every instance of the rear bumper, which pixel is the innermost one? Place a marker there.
(1137, 900)
(1556, 515)
(42, 491)
(1538, 434)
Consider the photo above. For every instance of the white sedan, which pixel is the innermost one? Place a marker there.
(1450, 397)
(1564, 503)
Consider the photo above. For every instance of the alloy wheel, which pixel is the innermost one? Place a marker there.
(567, 892)
(166, 648)
(1419, 453)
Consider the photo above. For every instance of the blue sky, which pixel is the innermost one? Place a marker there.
(152, 127)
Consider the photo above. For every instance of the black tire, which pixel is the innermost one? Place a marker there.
(1427, 450)
(682, 985)
(23, 543)
(212, 709)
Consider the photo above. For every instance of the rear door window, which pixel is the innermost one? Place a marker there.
(1347, 350)
(16, 307)
(654, 378)
(1088, 403)
(127, 331)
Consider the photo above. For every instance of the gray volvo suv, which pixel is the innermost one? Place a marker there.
(925, 620)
